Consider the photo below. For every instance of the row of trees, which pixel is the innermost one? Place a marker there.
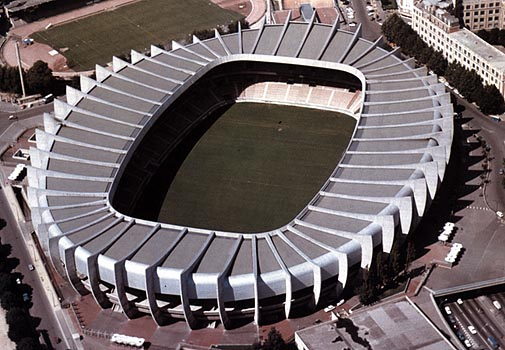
(203, 34)
(385, 272)
(494, 36)
(22, 326)
(38, 79)
(468, 82)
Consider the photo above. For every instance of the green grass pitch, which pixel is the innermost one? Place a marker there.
(256, 168)
(95, 39)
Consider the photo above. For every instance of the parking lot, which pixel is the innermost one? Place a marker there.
(478, 320)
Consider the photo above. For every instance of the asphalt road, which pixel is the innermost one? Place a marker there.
(480, 313)
(370, 30)
(41, 308)
(27, 113)
(494, 134)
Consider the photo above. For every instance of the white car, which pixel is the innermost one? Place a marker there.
(467, 343)
(448, 310)
(459, 301)
(329, 308)
(497, 304)
(472, 329)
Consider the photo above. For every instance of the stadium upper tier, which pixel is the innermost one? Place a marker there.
(101, 148)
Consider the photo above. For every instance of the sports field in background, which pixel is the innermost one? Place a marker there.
(256, 168)
(95, 39)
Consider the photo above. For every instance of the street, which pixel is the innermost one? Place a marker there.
(41, 308)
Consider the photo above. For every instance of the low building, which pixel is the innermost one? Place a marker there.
(376, 328)
(441, 31)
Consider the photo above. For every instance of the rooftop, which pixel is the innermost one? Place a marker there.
(494, 57)
(377, 328)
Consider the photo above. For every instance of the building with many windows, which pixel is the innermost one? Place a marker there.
(483, 14)
(477, 14)
(440, 30)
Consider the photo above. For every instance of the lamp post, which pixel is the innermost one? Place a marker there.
(18, 56)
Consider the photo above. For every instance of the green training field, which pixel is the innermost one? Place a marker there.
(256, 167)
(95, 39)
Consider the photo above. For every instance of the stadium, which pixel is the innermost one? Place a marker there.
(101, 149)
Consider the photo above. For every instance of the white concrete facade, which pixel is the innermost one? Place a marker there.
(440, 31)
(390, 173)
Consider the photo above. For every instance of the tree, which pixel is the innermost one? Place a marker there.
(28, 344)
(437, 63)
(410, 255)
(39, 78)
(491, 100)
(6, 283)
(21, 324)
(274, 340)
(10, 299)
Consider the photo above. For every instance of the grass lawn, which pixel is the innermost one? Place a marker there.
(256, 167)
(97, 38)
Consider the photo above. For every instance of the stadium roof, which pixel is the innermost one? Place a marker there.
(391, 171)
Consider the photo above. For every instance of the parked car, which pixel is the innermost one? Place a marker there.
(472, 329)
(448, 310)
(497, 304)
(459, 301)
(31, 267)
(467, 343)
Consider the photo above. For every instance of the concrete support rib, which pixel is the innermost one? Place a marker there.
(239, 37)
(341, 258)
(128, 307)
(316, 269)
(83, 234)
(197, 41)
(287, 276)
(387, 223)
(330, 36)
(281, 36)
(306, 35)
(69, 255)
(188, 50)
(72, 91)
(152, 282)
(352, 42)
(220, 283)
(93, 269)
(386, 55)
(366, 52)
(255, 269)
(118, 64)
(184, 278)
(221, 41)
(407, 65)
(365, 240)
(87, 84)
(404, 204)
(258, 37)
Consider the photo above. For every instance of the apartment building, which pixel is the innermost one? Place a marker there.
(483, 14)
(440, 30)
(477, 14)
